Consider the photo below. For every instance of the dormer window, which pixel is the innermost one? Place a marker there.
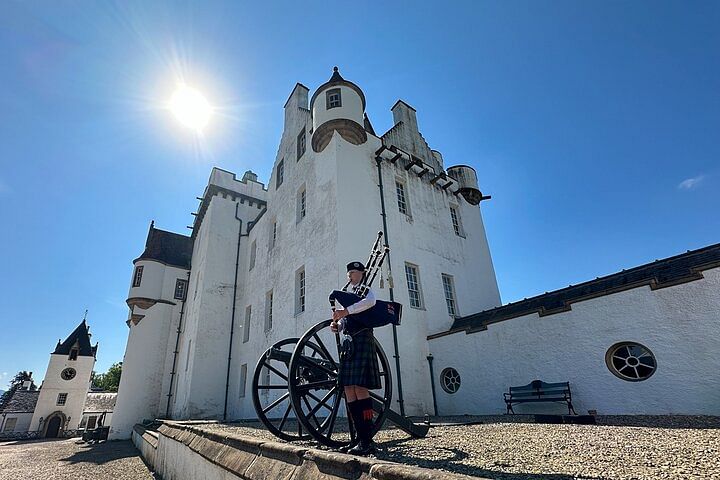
(333, 99)
(73, 354)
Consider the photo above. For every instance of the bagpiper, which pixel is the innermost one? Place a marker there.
(359, 369)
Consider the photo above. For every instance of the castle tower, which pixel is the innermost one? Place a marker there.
(337, 106)
(158, 289)
(67, 380)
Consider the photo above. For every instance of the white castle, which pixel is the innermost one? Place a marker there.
(261, 261)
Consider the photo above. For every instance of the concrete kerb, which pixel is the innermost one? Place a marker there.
(254, 459)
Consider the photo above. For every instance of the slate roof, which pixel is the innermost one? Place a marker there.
(22, 401)
(81, 336)
(670, 271)
(100, 402)
(167, 247)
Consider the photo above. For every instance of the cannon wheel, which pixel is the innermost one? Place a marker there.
(274, 411)
(314, 389)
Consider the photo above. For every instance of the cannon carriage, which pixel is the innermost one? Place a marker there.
(296, 388)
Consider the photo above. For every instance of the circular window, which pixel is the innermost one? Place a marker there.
(630, 361)
(68, 374)
(450, 380)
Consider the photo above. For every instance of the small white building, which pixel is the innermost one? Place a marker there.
(16, 414)
(262, 259)
(64, 403)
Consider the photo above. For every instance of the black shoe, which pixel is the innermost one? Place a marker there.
(363, 448)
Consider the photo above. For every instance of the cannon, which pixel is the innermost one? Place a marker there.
(296, 388)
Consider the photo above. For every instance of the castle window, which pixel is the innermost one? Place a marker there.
(91, 422)
(246, 326)
(455, 217)
(301, 144)
(450, 380)
(73, 354)
(449, 288)
(180, 289)
(273, 235)
(630, 361)
(10, 424)
(253, 253)
(61, 399)
(333, 99)
(243, 379)
(301, 204)
(413, 282)
(280, 173)
(300, 291)
(401, 198)
(137, 276)
(268, 310)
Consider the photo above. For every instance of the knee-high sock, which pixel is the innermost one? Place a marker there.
(356, 418)
(365, 416)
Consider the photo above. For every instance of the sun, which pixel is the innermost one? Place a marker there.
(190, 107)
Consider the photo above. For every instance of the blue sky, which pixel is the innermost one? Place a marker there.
(593, 125)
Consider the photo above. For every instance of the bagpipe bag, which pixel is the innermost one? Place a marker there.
(381, 314)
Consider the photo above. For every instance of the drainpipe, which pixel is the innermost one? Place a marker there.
(390, 288)
(177, 345)
(432, 384)
(234, 302)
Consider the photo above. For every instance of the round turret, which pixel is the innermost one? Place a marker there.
(467, 183)
(337, 106)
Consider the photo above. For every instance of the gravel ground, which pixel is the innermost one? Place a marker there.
(71, 460)
(510, 447)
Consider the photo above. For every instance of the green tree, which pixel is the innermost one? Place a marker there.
(109, 381)
(15, 383)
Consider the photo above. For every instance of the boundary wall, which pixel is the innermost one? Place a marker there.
(179, 451)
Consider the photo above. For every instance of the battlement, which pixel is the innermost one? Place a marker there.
(248, 186)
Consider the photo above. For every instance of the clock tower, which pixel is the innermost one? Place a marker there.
(67, 380)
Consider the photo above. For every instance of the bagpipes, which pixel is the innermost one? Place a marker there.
(382, 313)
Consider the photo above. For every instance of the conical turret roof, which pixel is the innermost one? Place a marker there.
(81, 336)
(335, 80)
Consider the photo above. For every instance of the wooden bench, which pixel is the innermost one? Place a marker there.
(539, 391)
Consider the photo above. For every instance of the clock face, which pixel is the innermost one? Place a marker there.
(68, 374)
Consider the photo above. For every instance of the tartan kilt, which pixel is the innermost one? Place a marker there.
(362, 367)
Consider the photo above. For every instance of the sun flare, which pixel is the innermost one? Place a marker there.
(190, 107)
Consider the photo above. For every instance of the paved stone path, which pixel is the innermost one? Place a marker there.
(72, 460)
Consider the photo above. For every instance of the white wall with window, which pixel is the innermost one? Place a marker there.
(448, 283)
(268, 311)
(412, 277)
(402, 198)
(667, 329)
(243, 380)
(456, 221)
(300, 290)
(247, 323)
(301, 204)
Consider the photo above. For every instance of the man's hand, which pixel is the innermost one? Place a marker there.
(338, 314)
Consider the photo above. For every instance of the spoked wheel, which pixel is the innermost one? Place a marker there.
(270, 392)
(314, 389)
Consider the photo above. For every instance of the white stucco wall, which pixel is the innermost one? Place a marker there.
(147, 363)
(678, 324)
(351, 108)
(205, 338)
(22, 422)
